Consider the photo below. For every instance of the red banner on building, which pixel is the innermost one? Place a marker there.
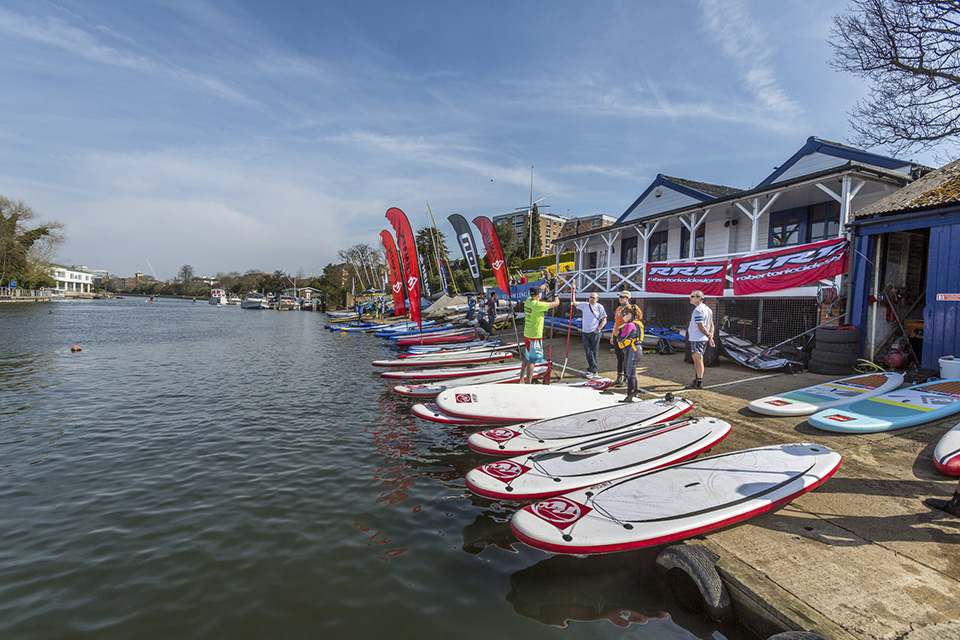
(792, 267)
(491, 242)
(396, 273)
(684, 277)
(411, 265)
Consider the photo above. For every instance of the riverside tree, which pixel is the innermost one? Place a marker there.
(26, 247)
(909, 52)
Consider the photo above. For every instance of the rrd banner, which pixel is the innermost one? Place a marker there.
(792, 267)
(684, 277)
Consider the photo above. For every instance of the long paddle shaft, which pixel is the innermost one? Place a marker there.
(569, 327)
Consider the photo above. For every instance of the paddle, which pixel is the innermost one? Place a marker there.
(641, 433)
(569, 327)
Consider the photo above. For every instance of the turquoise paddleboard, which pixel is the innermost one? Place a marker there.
(895, 410)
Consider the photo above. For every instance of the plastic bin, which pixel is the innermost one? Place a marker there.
(950, 367)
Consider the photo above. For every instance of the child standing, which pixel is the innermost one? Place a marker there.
(630, 344)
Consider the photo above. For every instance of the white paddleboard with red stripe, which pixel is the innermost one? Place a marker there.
(446, 360)
(570, 430)
(447, 373)
(432, 389)
(676, 502)
(519, 402)
(430, 411)
(601, 459)
(946, 455)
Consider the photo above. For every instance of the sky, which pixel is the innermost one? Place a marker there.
(238, 135)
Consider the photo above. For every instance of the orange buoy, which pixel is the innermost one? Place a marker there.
(75, 348)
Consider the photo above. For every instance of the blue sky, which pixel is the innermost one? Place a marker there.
(252, 135)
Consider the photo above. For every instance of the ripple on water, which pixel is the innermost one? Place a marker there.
(198, 472)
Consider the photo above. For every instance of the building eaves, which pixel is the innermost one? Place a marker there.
(896, 177)
(935, 190)
(817, 145)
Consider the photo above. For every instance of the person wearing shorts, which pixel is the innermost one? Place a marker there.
(534, 310)
(699, 333)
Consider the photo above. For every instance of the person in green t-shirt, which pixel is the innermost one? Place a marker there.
(533, 311)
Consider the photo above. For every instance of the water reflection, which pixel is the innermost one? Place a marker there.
(561, 589)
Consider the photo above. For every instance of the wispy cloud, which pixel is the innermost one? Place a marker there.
(743, 42)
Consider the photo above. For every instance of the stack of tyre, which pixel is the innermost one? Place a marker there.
(836, 351)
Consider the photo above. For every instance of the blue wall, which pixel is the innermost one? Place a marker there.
(941, 330)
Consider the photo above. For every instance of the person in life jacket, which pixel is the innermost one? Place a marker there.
(629, 341)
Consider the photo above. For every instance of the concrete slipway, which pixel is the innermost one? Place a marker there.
(860, 557)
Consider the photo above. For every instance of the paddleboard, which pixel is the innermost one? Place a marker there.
(428, 339)
(600, 459)
(446, 373)
(893, 410)
(430, 411)
(432, 389)
(571, 430)
(439, 348)
(437, 360)
(675, 502)
(414, 351)
(946, 455)
(519, 402)
(803, 402)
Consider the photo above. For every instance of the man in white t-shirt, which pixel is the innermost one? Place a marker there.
(594, 320)
(699, 333)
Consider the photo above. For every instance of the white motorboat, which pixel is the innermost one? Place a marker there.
(254, 300)
(218, 297)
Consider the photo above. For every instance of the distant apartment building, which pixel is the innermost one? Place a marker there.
(574, 226)
(550, 227)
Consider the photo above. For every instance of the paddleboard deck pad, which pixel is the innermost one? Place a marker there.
(601, 459)
(676, 502)
(803, 402)
(893, 410)
(571, 430)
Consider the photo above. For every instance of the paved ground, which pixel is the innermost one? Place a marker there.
(861, 556)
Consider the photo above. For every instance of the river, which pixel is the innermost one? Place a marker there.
(205, 472)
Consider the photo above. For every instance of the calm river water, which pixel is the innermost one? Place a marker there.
(204, 472)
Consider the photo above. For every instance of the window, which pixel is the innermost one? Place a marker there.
(657, 248)
(786, 227)
(628, 250)
(699, 242)
(824, 221)
(804, 224)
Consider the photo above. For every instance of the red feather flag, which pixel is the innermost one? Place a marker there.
(396, 273)
(491, 242)
(408, 251)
